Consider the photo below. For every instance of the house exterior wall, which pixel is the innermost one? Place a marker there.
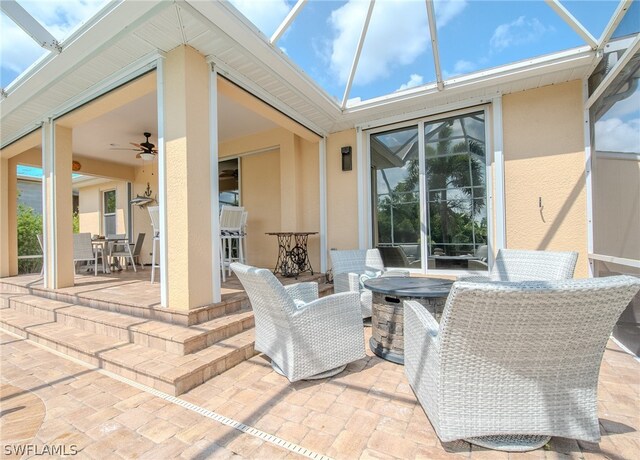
(141, 219)
(260, 194)
(280, 190)
(90, 207)
(342, 193)
(544, 162)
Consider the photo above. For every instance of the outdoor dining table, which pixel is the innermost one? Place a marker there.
(104, 244)
(293, 256)
(387, 319)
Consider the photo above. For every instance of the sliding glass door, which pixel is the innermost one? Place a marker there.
(452, 231)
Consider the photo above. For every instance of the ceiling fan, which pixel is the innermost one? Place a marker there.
(228, 174)
(146, 149)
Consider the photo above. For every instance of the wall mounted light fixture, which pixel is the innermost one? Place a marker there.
(346, 158)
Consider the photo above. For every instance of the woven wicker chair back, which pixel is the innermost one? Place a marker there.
(272, 305)
(523, 265)
(356, 261)
(82, 247)
(518, 343)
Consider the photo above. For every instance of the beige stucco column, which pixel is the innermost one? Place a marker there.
(57, 207)
(187, 179)
(4, 218)
(289, 176)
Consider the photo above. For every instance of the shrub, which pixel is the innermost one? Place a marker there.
(29, 227)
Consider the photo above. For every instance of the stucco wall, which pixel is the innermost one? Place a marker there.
(141, 219)
(280, 190)
(342, 193)
(544, 160)
(261, 198)
(616, 203)
(90, 207)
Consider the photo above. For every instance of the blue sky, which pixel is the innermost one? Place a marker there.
(60, 17)
(473, 35)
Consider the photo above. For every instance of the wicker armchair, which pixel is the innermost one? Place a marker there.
(349, 268)
(511, 364)
(524, 265)
(306, 337)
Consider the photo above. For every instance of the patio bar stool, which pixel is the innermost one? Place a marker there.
(154, 214)
(232, 220)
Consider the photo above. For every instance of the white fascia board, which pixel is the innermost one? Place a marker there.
(125, 75)
(572, 22)
(228, 20)
(574, 58)
(251, 87)
(110, 24)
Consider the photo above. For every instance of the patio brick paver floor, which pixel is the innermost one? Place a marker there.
(367, 412)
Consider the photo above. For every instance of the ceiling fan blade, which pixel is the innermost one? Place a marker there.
(138, 156)
(137, 145)
(129, 150)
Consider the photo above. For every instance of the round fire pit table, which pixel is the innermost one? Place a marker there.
(387, 319)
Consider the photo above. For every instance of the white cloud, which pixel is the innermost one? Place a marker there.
(518, 32)
(462, 67)
(414, 80)
(446, 10)
(626, 106)
(266, 15)
(615, 135)
(18, 51)
(398, 33)
(60, 17)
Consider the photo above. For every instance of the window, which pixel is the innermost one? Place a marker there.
(451, 232)
(109, 212)
(228, 182)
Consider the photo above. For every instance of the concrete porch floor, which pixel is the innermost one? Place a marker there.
(368, 411)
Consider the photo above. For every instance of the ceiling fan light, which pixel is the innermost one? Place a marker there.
(147, 156)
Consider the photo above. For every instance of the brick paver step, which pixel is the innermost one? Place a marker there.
(163, 336)
(159, 369)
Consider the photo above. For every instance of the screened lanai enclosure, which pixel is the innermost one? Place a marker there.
(475, 126)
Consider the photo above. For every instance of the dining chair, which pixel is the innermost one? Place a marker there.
(136, 249)
(305, 336)
(351, 267)
(154, 215)
(120, 248)
(512, 363)
(83, 250)
(528, 265)
(231, 228)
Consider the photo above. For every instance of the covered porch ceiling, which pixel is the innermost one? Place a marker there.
(126, 38)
